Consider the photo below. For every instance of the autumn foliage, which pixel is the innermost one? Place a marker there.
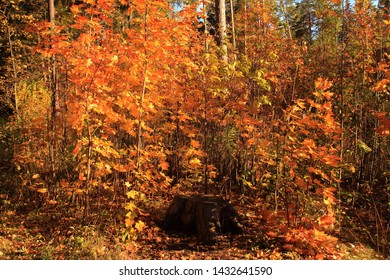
(134, 103)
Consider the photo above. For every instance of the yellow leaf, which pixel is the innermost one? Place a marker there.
(326, 201)
(36, 176)
(127, 184)
(140, 225)
(130, 206)
(132, 194)
(195, 163)
(43, 190)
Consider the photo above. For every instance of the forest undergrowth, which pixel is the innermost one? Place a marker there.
(53, 233)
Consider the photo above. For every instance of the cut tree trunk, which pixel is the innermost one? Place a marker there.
(205, 216)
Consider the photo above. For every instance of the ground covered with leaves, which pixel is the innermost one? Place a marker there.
(52, 233)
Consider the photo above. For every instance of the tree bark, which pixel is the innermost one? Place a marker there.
(51, 11)
(220, 10)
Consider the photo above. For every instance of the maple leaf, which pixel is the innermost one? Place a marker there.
(75, 9)
(140, 225)
(132, 194)
(195, 143)
(213, 174)
(164, 165)
(322, 84)
(129, 222)
(195, 163)
(328, 95)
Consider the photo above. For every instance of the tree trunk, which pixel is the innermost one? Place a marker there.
(220, 10)
(233, 25)
(54, 100)
(205, 216)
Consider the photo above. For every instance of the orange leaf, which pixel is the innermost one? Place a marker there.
(64, 184)
(164, 165)
(129, 222)
(335, 2)
(250, 141)
(301, 183)
(331, 160)
(271, 234)
(75, 9)
(323, 84)
(195, 143)
(53, 202)
(328, 95)
(76, 149)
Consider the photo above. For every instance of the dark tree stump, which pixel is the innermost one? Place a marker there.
(205, 216)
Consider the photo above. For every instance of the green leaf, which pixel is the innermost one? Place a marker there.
(363, 146)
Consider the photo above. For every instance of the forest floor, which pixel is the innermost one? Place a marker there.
(50, 233)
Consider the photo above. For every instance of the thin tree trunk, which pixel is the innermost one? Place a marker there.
(220, 9)
(15, 73)
(341, 110)
(53, 86)
(206, 44)
(233, 25)
(139, 132)
(245, 26)
(51, 11)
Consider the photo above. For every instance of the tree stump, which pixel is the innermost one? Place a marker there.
(205, 216)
